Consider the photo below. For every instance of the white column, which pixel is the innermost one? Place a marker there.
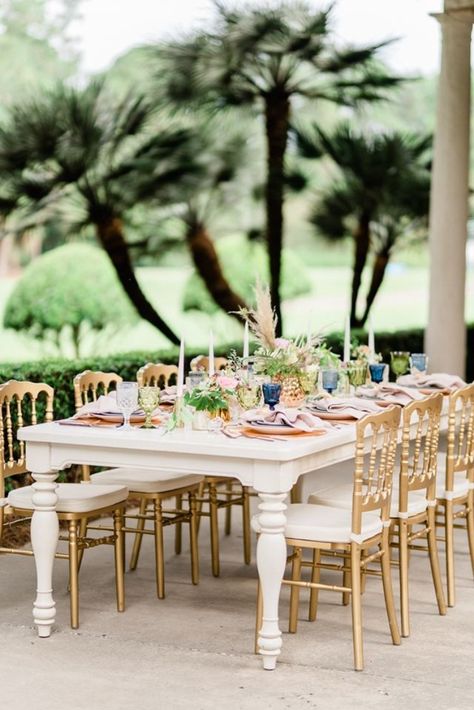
(445, 339)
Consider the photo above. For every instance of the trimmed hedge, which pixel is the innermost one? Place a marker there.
(60, 373)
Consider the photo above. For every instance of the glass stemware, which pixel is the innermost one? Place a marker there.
(399, 362)
(271, 394)
(127, 401)
(330, 378)
(357, 374)
(248, 396)
(148, 399)
(418, 363)
(377, 371)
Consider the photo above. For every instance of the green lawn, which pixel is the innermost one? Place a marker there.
(402, 303)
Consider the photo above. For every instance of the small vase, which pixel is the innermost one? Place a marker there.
(292, 393)
(200, 420)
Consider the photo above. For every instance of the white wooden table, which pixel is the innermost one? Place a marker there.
(270, 467)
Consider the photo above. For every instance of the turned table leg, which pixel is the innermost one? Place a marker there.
(271, 561)
(44, 540)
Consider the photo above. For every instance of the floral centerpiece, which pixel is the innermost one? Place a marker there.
(291, 363)
(212, 396)
(363, 355)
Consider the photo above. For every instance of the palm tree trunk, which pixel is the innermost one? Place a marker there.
(362, 244)
(206, 261)
(378, 273)
(277, 116)
(110, 235)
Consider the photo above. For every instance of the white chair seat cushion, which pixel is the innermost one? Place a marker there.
(73, 497)
(341, 497)
(460, 487)
(143, 481)
(322, 523)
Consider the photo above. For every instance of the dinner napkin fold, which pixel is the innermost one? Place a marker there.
(392, 392)
(304, 421)
(354, 407)
(440, 380)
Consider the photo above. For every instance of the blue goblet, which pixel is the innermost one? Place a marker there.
(330, 380)
(418, 363)
(271, 394)
(377, 371)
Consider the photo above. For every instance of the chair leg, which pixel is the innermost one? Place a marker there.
(159, 549)
(213, 510)
(449, 535)
(387, 588)
(314, 592)
(74, 574)
(295, 590)
(403, 571)
(356, 601)
(178, 531)
(259, 616)
(193, 539)
(138, 536)
(246, 525)
(200, 495)
(82, 534)
(118, 554)
(346, 578)
(228, 510)
(434, 561)
(470, 526)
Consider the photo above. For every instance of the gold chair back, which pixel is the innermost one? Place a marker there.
(201, 362)
(157, 375)
(460, 451)
(21, 404)
(88, 385)
(419, 455)
(376, 443)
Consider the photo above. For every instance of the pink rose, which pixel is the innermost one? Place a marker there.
(282, 343)
(227, 382)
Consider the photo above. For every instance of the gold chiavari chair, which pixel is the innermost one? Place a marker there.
(455, 487)
(361, 534)
(152, 489)
(413, 496)
(162, 376)
(24, 403)
(219, 493)
(157, 375)
(201, 362)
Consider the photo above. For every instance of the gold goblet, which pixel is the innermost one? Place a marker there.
(148, 400)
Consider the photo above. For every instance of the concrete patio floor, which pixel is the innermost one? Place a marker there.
(194, 649)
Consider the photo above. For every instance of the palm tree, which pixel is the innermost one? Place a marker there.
(381, 195)
(265, 57)
(73, 151)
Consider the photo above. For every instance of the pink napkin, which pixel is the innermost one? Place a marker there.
(105, 404)
(392, 392)
(440, 380)
(354, 407)
(304, 421)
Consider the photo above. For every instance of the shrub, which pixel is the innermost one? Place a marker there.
(242, 273)
(66, 293)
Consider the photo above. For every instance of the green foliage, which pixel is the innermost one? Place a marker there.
(208, 397)
(36, 48)
(242, 262)
(73, 287)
